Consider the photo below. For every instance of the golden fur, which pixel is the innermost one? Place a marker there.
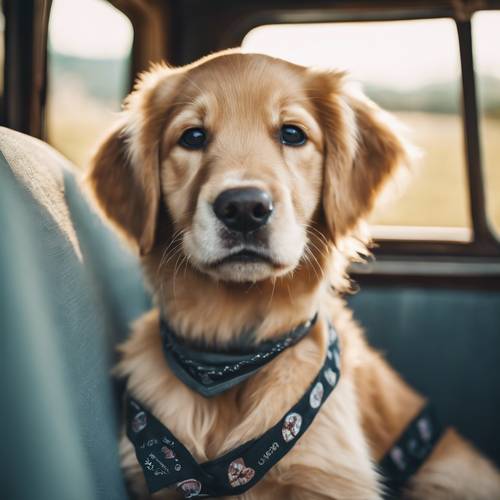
(159, 195)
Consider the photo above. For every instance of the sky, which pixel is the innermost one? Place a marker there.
(89, 28)
(406, 53)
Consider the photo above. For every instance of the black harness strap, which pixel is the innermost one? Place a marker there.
(166, 462)
(410, 451)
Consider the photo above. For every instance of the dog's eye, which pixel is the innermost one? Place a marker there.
(290, 135)
(193, 138)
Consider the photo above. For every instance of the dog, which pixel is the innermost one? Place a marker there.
(243, 181)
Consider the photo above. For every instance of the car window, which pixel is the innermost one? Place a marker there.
(411, 68)
(88, 73)
(486, 40)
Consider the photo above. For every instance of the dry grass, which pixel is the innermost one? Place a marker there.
(491, 160)
(76, 121)
(437, 190)
(436, 194)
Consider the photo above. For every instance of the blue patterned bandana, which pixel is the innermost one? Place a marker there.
(167, 463)
(211, 373)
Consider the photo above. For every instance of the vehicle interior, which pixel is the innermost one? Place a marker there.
(429, 299)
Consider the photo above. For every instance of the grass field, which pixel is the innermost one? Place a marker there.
(436, 192)
(76, 121)
(491, 160)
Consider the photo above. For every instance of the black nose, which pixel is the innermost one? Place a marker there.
(243, 209)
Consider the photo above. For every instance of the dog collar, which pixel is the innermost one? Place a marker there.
(166, 462)
(210, 373)
(410, 451)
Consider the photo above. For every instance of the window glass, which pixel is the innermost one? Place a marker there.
(486, 40)
(88, 71)
(411, 68)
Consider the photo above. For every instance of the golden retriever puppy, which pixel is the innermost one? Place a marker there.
(241, 180)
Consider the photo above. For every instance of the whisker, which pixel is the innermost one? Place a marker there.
(310, 254)
(272, 292)
(176, 269)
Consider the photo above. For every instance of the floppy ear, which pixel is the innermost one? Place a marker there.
(362, 151)
(124, 173)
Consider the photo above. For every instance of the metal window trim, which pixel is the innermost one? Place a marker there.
(235, 35)
(483, 233)
(432, 266)
(26, 28)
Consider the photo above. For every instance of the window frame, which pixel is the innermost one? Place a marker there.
(25, 38)
(187, 29)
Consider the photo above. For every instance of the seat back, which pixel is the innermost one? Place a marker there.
(68, 291)
(446, 343)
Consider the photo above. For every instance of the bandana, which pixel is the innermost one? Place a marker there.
(166, 462)
(210, 373)
(410, 451)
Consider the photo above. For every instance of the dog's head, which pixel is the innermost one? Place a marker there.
(251, 165)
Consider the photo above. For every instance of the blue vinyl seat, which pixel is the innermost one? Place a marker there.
(68, 290)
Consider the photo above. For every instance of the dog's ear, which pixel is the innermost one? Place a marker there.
(362, 151)
(128, 194)
(124, 174)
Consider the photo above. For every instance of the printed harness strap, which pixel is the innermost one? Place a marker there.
(166, 461)
(410, 451)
